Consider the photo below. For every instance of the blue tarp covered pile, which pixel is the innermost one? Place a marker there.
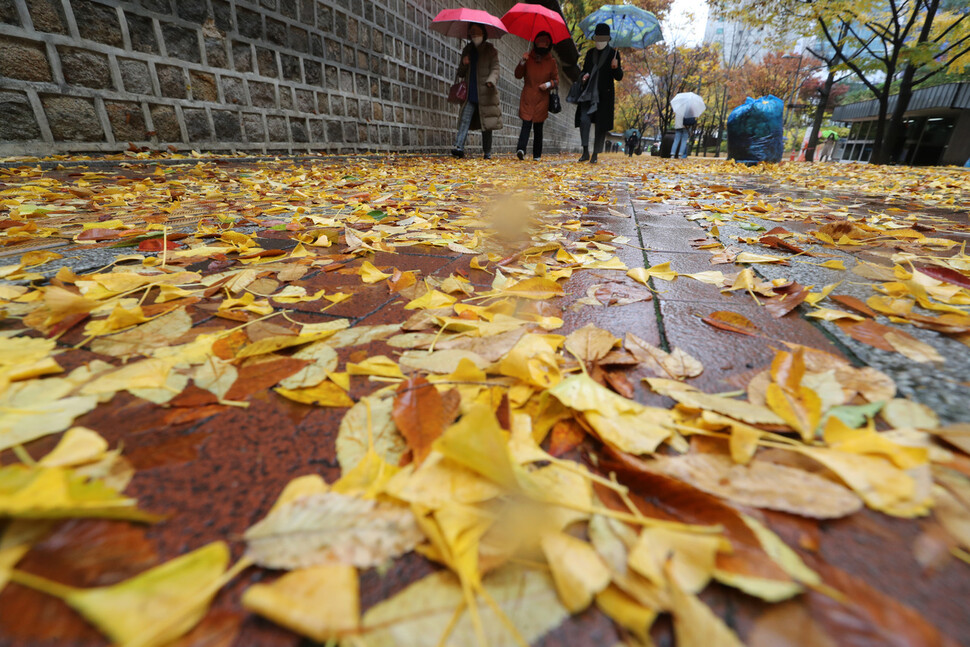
(755, 131)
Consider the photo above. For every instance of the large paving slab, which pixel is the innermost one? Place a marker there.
(217, 469)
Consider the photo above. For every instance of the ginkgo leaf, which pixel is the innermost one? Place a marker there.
(905, 413)
(379, 365)
(533, 360)
(35, 408)
(276, 343)
(16, 539)
(323, 360)
(332, 528)
(695, 625)
(321, 603)
(430, 300)
(577, 570)
(801, 409)
(299, 487)
(369, 424)
(624, 424)
(441, 361)
(324, 394)
(691, 397)
(154, 608)
(424, 613)
(78, 445)
(687, 559)
(661, 271)
(359, 335)
(627, 612)
(676, 364)
(590, 343)
(142, 340)
(370, 274)
(913, 348)
(881, 484)
(535, 288)
(26, 357)
(31, 492)
(479, 443)
(215, 376)
(748, 257)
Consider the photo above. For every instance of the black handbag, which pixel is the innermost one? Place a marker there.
(555, 105)
(575, 91)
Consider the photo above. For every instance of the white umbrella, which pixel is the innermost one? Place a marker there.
(688, 104)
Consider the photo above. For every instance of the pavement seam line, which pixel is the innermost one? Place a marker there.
(658, 314)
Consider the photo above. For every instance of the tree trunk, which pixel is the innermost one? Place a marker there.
(819, 116)
(879, 153)
(894, 142)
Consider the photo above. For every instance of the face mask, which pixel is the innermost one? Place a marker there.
(542, 51)
(477, 40)
(601, 44)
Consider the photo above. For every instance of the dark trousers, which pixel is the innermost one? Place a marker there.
(487, 142)
(524, 137)
(585, 121)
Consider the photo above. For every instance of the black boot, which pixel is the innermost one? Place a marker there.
(457, 153)
(487, 144)
(592, 160)
(585, 155)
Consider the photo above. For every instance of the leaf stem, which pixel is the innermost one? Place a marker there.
(42, 584)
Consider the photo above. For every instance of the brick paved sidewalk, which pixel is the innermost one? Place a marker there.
(218, 468)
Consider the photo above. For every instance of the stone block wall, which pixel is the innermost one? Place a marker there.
(261, 76)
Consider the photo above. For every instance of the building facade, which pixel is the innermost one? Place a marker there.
(937, 127)
(239, 75)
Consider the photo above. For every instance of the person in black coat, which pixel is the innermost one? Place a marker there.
(597, 103)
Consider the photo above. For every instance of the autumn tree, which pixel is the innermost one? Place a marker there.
(662, 71)
(884, 43)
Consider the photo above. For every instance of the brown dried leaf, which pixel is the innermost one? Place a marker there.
(867, 332)
(421, 414)
(566, 436)
(731, 321)
(763, 485)
(852, 303)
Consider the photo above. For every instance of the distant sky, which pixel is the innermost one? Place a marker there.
(685, 24)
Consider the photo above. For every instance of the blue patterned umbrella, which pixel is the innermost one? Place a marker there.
(630, 26)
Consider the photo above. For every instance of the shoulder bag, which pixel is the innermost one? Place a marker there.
(555, 105)
(576, 89)
(458, 92)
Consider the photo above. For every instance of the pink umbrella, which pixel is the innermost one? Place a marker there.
(527, 20)
(455, 22)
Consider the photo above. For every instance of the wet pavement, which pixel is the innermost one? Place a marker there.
(217, 469)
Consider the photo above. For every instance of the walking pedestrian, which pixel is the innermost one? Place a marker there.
(481, 109)
(681, 136)
(601, 68)
(631, 137)
(541, 74)
(827, 148)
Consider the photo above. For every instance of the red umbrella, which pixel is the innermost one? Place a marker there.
(527, 20)
(455, 22)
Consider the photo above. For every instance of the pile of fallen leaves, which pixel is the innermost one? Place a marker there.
(494, 443)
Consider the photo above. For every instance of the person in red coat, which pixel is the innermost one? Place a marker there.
(541, 74)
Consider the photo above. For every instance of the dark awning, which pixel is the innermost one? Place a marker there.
(952, 96)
